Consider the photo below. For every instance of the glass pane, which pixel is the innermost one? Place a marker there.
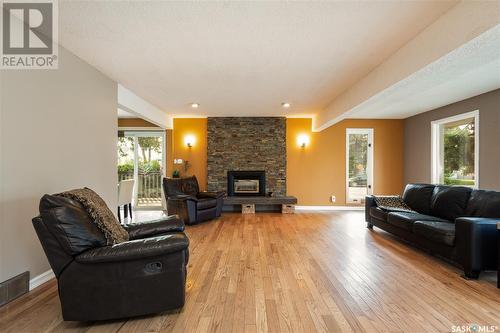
(125, 157)
(358, 162)
(458, 159)
(150, 161)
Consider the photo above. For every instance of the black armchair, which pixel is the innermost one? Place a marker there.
(185, 199)
(97, 282)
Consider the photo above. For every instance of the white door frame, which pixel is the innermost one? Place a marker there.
(369, 160)
(146, 133)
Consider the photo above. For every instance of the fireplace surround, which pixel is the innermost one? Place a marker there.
(247, 143)
(246, 183)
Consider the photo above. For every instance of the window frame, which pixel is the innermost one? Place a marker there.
(437, 146)
(369, 161)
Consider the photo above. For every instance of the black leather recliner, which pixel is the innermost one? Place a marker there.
(185, 199)
(457, 223)
(144, 275)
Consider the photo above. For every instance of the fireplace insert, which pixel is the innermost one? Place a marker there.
(246, 183)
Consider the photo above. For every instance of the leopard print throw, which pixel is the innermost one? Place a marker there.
(392, 203)
(100, 214)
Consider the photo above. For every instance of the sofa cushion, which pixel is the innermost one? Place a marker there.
(405, 220)
(449, 202)
(70, 224)
(378, 213)
(439, 232)
(483, 203)
(205, 203)
(418, 197)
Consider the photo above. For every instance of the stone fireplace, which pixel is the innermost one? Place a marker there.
(247, 144)
(246, 183)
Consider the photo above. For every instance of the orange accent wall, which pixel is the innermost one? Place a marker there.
(134, 122)
(197, 154)
(316, 172)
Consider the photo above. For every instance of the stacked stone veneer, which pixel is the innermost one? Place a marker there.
(247, 143)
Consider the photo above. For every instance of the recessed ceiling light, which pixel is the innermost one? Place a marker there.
(195, 105)
(286, 105)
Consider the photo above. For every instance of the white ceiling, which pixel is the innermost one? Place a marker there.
(240, 58)
(470, 70)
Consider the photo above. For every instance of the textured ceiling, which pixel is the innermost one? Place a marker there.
(470, 70)
(240, 58)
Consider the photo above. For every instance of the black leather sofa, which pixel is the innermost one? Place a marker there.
(454, 222)
(144, 275)
(185, 199)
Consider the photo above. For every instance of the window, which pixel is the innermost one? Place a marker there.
(455, 150)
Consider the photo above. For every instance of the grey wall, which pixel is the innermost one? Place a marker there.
(247, 143)
(417, 149)
(58, 131)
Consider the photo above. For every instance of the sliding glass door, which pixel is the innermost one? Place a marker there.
(359, 164)
(141, 156)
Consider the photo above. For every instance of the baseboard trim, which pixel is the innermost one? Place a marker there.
(355, 208)
(41, 279)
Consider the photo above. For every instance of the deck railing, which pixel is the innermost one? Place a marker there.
(148, 184)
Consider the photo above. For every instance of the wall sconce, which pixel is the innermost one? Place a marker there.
(189, 140)
(303, 140)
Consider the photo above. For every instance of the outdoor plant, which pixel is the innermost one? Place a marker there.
(126, 168)
(150, 167)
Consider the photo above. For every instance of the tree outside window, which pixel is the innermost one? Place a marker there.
(455, 152)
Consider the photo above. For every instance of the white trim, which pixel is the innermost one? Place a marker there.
(151, 132)
(436, 145)
(329, 208)
(148, 129)
(136, 171)
(131, 103)
(41, 279)
(369, 160)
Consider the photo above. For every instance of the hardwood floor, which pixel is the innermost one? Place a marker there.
(304, 272)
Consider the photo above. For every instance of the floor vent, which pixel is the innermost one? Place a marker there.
(15, 287)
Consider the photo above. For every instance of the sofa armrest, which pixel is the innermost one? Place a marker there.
(182, 197)
(476, 240)
(184, 206)
(369, 203)
(135, 249)
(215, 195)
(163, 225)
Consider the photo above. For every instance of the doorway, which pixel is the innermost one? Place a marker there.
(141, 156)
(359, 164)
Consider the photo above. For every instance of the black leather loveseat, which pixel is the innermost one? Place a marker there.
(144, 275)
(185, 199)
(454, 222)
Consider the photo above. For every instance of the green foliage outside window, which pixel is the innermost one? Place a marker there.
(459, 155)
(149, 167)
